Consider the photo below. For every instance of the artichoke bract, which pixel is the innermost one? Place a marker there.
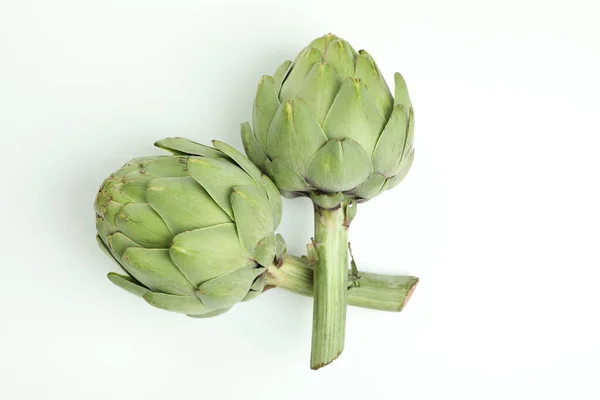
(328, 123)
(193, 231)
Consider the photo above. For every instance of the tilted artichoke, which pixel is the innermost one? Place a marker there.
(328, 123)
(194, 231)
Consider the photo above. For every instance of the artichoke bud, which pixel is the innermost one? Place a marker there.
(194, 232)
(331, 92)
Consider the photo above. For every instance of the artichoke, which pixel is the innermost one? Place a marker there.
(193, 231)
(194, 234)
(328, 127)
(328, 123)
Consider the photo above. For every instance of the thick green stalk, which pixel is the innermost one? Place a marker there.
(330, 285)
(375, 291)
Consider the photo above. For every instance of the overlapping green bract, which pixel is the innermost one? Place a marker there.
(328, 123)
(193, 231)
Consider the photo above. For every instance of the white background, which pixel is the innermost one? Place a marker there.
(499, 216)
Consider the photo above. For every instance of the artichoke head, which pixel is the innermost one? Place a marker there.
(328, 124)
(193, 231)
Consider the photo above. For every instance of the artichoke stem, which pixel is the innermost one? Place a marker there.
(330, 285)
(375, 291)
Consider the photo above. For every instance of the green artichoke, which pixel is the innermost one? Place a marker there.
(193, 231)
(328, 123)
(328, 127)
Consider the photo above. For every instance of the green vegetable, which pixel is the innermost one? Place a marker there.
(328, 127)
(328, 123)
(193, 231)
(194, 234)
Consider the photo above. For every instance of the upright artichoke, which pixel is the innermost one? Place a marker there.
(328, 127)
(327, 123)
(194, 231)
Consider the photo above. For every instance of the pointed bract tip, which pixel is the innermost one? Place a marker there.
(264, 78)
(329, 37)
(399, 78)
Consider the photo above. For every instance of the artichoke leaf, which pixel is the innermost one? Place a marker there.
(103, 228)
(321, 43)
(109, 209)
(266, 104)
(104, 242)
(367, 71)
(253, 216)
(240, 160)
(143, 225)
(207, 253)
(226, 290)
(103, 246)
(285, 177)
(408, 155)
(302, 66)
(370, 188)
(390, 146)
(258, 286)
(327, 200)
(404, 168)
(155, 270)
(339, 166)
(281, 246)
(255, 153)
(266, 250)
(354, 115)
(210, 314)
(252, 294)
(295, 135)
(179, 304)
(114, 192)
(159, 167)
(340, 56)
(401, 97)
(111, 253)
(259, 282)
(134, 192)
(131, 165)
(217, 177)
(319, 90)
(410, 135)
(275, 200)
(118, 243)
(184, 205)
(127, 283)
(183, 146)
(280, 74)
